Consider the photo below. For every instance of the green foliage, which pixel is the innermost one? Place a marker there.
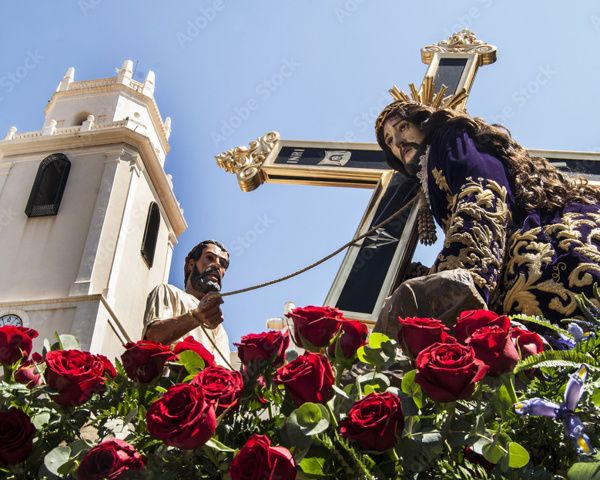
(558, 358)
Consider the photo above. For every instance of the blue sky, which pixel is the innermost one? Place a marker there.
(228, 72)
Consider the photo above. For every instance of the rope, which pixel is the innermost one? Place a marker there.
(327, 257)
(305, 269)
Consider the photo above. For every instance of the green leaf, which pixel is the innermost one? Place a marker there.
(216, 445)
(493, 452)
(314, 466)
(308, 414)
(56, 458)
(596, 397)
(68, 342)
(40, 419)
(311, 418)
(540, 321)
(378, 381)
(412, 388)
(191, 361)
(369, 389)
(376, 339)
(558, 358)
(518, 457)
(501, 400)
(584, 471)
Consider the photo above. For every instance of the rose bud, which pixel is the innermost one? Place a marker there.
(263, 348)
(109, 460)
(309, 378)
(76, 375)
(221, 386)
(495, 348)
(15, 343)
(374, 422)
(314, 327)
(417, 334)
(528, 343)
(190, 343)
(258, 460)
(449, 371)
(28, 374)
(352, 336)
(471, 320)
(145, 360)
(16, 436)
(182, 417)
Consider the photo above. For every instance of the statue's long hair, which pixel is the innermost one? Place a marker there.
(536, 183)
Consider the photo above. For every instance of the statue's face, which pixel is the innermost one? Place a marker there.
(208, 271)
(403, 139)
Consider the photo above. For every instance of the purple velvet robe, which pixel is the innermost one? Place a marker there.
(533, 262)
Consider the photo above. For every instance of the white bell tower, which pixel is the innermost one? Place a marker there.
(88, 217)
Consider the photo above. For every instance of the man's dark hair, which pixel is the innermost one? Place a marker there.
(196, 253)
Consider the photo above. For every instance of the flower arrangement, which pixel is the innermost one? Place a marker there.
(483, 398)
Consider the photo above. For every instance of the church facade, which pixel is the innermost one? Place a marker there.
(88, 217)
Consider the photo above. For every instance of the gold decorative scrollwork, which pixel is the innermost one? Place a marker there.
(464, 41)
(246, 162)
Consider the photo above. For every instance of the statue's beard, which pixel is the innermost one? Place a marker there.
(202, 282)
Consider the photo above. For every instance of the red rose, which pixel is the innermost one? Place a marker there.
(268, 347)
(258, 460)
(190, 343)
(15, 343)
(309, 378)
(528, 343)
(145, 360)
(417, 334)
(76, 375)
(449, 371)
(16, 436)
(471, 320)
(314, 327)
(495, 348)
(221, 386)
(182, 417)
(110, 460)
(28, 373)
(374, 421)
(353, 335)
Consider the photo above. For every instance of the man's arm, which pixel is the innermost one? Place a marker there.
(207, 313)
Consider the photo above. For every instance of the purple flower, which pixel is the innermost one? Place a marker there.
(564, 411)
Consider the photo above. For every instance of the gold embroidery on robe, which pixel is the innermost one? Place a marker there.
(528, 251)
(482, 244)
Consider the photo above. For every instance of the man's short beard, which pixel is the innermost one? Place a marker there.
(201, 281)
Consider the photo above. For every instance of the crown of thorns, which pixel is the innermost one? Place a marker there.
(424, 96)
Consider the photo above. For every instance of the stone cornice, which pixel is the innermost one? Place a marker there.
(72, 139)
(93, 87)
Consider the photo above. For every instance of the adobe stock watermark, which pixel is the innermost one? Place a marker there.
(10, 80)
(348, 9)
(195, 26)
(7, 215)
(466, 20)
(523, 95)
(243, 242)
(86, 6)
(364, 122)
(263, 91)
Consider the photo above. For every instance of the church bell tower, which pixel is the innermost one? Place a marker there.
(88, 217)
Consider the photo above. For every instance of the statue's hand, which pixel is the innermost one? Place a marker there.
(208, 312)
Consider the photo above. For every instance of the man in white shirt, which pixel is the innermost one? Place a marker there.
(172, 313)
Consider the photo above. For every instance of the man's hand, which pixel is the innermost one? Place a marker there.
(208, 312)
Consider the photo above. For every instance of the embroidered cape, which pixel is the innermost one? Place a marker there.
(532, 262)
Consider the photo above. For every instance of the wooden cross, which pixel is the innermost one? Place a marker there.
(372, 270)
